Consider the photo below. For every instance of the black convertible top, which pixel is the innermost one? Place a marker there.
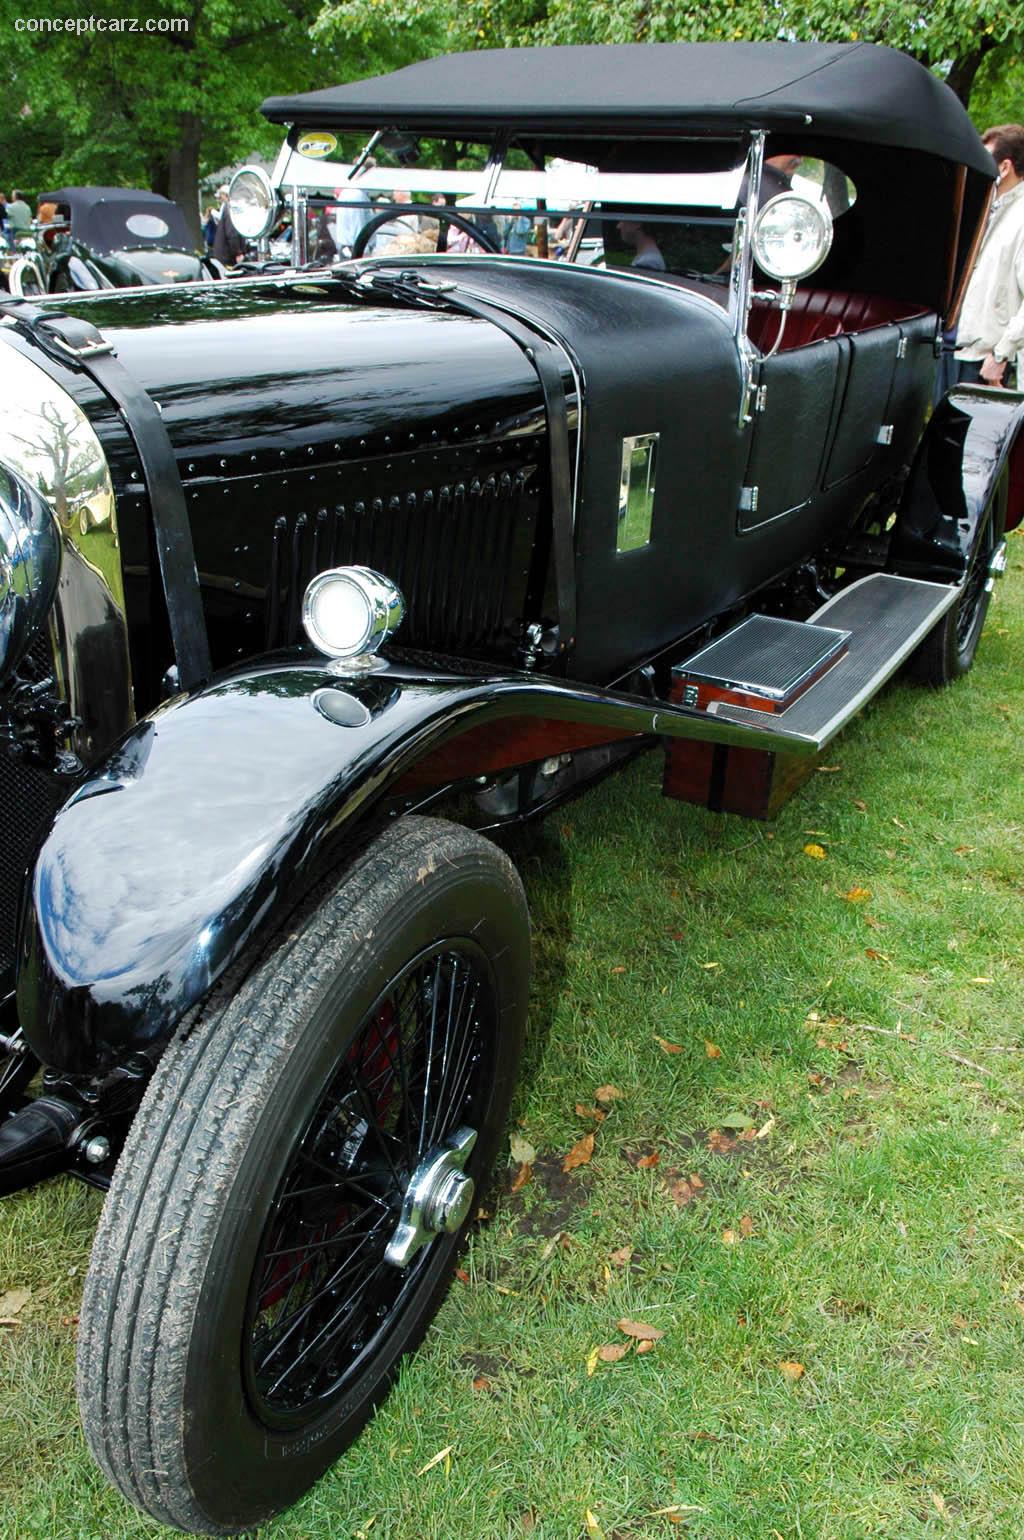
(99, 217)
(854, 91)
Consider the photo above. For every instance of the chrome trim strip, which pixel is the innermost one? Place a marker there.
(636, 491)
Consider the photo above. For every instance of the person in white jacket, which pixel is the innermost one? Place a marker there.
(990, 336)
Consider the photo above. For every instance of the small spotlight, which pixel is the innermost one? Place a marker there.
(351, 611)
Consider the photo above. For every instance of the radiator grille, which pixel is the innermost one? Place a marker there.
(455, 551)
(28, 800)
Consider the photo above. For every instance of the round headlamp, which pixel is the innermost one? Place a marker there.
(792, 237)
(253, 203)
(30, 550)
(349, 611)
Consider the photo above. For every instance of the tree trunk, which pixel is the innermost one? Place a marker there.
(961, 77)
(177, 174)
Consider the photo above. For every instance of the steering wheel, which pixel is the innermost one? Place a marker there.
(433, 211)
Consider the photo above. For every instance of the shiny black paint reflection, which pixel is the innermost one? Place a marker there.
(144, 892)
(964, 453)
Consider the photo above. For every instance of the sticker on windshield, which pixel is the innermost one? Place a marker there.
(317, 146)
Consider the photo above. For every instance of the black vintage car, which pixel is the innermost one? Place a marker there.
(109, 238)
(311, 583)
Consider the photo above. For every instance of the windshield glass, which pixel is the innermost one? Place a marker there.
(676, 219)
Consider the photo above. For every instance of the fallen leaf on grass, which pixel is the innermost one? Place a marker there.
(677, 935)
(482, 1383)
(665, 1046)
(580, 1153)
(622, 1256)
(981, 980)
(816, 852)
(619, 969)
(606, 1093)
(593, 1528)
(939, 1503)
(681, 1192)
(963, 850)
(712, 1050)
(646, 1161)
(765, 1129)
(746, 1225)
(645, 1347)
(857, 895)
(611, 1352)
(791, 1370)
(719, 1143)
(828, 769)
(444, 1454)
(640, 1330)
(861, 807)
(875, 955)
(522, 1151)
(734, 1120)
(561, 1239)
(730, 1238)
(590, 1112)
(462, 1275)
(708, 966)
(12, 1303)
(521, 1177)
(593, 1359)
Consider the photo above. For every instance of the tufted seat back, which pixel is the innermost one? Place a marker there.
(819, 313)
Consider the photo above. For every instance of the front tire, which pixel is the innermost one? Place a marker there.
(241, 1320)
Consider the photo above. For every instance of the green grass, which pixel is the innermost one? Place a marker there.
(886, 1205)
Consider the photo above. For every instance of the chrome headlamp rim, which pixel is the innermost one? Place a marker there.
(771, 210)
(241, 208)
(384, 610)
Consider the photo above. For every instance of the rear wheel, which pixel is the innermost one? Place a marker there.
(948, 651)
(285, 1217)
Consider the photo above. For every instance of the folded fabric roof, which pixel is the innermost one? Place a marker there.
(853, 91)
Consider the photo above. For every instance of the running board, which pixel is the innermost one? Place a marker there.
(881, 620)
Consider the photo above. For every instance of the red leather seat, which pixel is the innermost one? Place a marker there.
(819, 313)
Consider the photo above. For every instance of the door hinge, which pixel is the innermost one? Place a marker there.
(901, 348)
(748, 499)
(760, 398)
(885, 433)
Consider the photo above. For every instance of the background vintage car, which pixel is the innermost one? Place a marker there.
(619, 507)
(111, 238)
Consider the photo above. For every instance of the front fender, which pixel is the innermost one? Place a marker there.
(216, 813)
(972, 446)
(202, 829)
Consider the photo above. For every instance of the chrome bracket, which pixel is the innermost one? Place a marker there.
(748, 499)
(437, 1200)
(885, 432)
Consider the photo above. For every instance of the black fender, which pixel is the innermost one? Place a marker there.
(972, 450)
(214, 815)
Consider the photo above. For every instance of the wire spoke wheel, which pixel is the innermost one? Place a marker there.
(284, 1220)
(323, 1290)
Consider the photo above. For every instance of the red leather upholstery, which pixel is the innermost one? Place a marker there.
(819, 313)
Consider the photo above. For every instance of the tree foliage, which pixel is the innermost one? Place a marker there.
(157, 109)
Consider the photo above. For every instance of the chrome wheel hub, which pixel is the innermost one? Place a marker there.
(437, 1200)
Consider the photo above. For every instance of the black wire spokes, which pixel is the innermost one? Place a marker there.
(322, 1293)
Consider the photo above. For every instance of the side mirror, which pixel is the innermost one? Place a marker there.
(792, 237)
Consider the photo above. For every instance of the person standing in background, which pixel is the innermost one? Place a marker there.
(990, 335)
(19, 215)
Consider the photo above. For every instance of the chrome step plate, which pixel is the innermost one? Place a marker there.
(887, 617)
